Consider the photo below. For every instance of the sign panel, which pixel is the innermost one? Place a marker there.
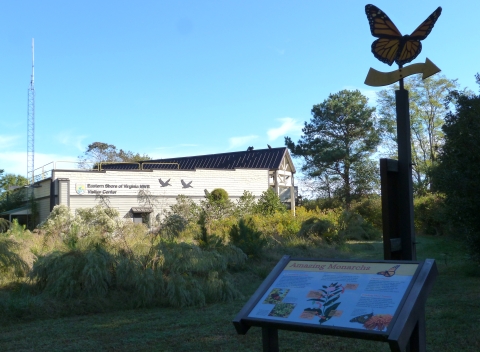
(355, 295)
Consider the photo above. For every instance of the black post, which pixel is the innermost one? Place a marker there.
(405, 187)
(392, 244)
(418, 340)
(270, 339)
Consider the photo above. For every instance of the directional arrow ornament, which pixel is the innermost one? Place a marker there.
(377, 79)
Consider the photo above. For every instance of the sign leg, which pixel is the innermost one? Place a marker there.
(270, 339)
(418, 340)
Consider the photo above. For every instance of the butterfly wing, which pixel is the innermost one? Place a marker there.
(381, 25)
(412, 46)
(390, 272)
(410, 50)
(361, 318)
(386, 47)
(426, 27)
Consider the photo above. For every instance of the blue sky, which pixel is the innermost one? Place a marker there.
(180, 78)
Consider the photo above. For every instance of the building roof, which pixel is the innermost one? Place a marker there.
(252, 159)
(25, 210)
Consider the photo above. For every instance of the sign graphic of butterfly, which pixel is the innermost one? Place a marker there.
(390, 272)
(361, 318)
(391, 45)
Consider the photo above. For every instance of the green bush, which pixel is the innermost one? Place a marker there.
(245, 205)
(172, 226)
(269, 203)
(246, 237)
(370, 209)
(218, 195)
(4, 225)
(430, 214)
(353, 227)
(315, 227)
(12, 265)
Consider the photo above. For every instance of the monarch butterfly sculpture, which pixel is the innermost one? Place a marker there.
(391, 45)
(390, 272)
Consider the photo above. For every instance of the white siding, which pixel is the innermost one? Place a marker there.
(122, 187)
(43, 209)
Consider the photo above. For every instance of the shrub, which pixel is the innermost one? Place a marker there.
(370, 209)
(353, 227)
(172, 226)
(247, 238)
(315, 227)
(430, 214)
(269, 203)
(186, 208)
(245, 204)
(4, 225)
(12, 265)
(218, 195)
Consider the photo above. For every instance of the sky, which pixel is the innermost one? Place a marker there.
(192, 77)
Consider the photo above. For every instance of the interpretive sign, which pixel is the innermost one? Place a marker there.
(356, 295)
(361, 299)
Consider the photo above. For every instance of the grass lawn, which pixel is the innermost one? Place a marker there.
(453, 318)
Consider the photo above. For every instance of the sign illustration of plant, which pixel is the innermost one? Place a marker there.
(276, 296)
(282, 310)
(327, 303)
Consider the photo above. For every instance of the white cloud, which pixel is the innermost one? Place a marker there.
(289, 125)
(69, 139)
(8, 141)
(236, 142)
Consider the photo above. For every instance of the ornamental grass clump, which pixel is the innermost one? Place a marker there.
(93, 255)
(80, 273)
(12, 265)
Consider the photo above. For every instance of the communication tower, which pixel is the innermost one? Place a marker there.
(31, 124)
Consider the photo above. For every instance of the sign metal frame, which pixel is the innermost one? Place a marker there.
(408, 316)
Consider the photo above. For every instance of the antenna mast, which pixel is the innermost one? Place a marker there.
(31, 124)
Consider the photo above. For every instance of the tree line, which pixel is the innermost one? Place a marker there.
(343, 141)
(341, 144)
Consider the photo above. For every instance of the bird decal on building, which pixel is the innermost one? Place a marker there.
(164, 184)
(187, 185)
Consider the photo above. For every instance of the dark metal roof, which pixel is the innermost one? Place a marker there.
(253, 159)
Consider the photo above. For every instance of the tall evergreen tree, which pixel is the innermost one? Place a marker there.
(337, 143)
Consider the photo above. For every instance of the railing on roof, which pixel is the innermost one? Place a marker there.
(140, 166)
(45, 171)
(158, 163)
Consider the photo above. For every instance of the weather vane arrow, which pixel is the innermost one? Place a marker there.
(377, 79)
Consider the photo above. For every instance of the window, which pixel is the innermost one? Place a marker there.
(141, 215)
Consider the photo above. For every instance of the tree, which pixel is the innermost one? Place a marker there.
(427, 113)
(269, 203)
(337, 143)
(9, 198)
(458, 172)
(99, 152)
